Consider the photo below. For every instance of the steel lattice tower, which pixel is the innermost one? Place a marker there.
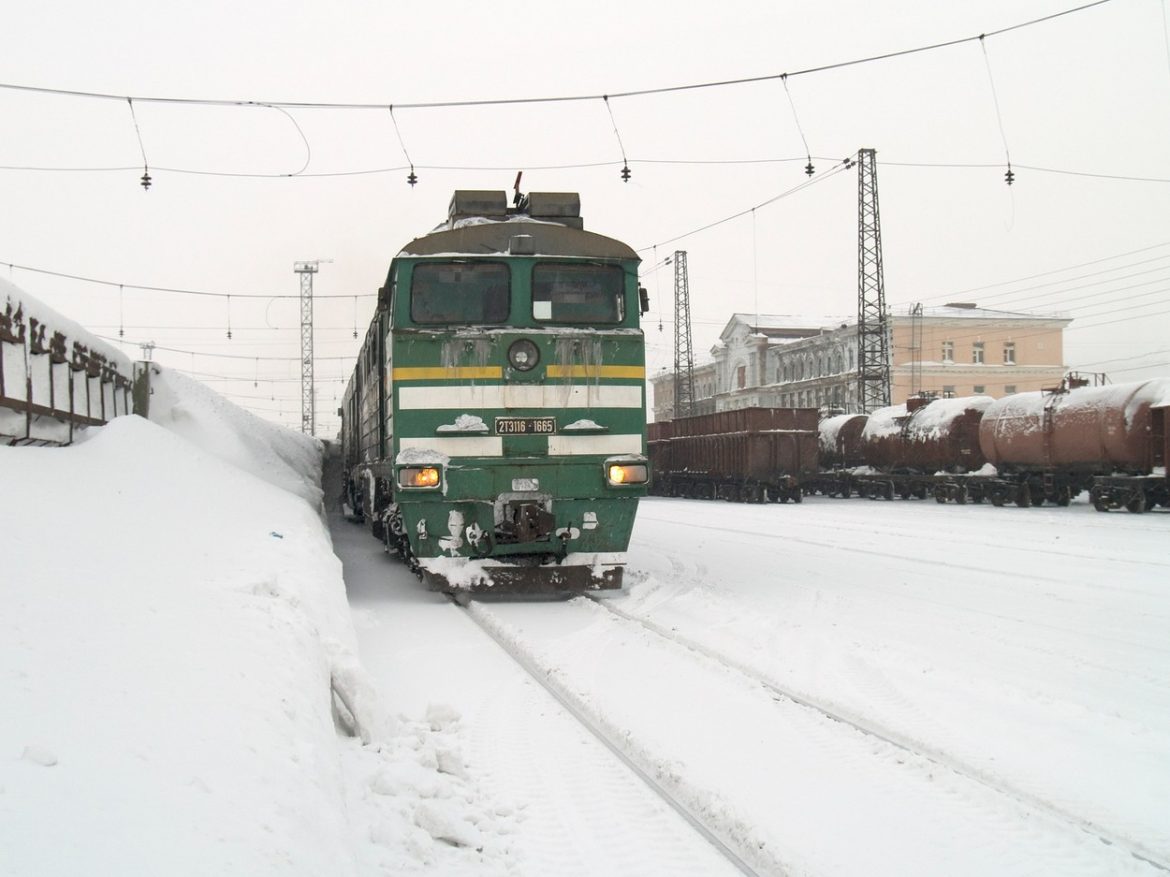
(308, 413)
(684, 359)
(873, 345)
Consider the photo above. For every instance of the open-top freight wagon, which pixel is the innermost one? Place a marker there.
(745, 455)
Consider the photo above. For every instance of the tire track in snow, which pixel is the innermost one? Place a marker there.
(904, 742)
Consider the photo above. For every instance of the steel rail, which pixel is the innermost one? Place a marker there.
(463, 601)
(901, 741)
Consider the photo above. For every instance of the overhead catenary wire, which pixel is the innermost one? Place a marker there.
(957, 294)
(636, 160)
(832, 172)
(1009, 177)
(639, 92)
(173, 290)
(809, 169)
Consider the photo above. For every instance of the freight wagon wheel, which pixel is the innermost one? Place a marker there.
(997, 498)
(797, 496)
(1063, 495)
(1024, 497)
(1137, 504)
(961, 494)
(1097, 498)
(888, 490)
(940, 494)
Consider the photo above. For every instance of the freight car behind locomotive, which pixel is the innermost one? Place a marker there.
(926, 447)
(745, 455)
(1052, 445)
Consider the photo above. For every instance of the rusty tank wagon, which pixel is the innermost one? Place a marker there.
(1053, 445)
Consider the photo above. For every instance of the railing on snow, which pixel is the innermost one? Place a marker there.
(50, 387)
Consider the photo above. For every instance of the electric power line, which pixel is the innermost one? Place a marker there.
(418, 105)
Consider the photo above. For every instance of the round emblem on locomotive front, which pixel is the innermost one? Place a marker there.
(523, 355)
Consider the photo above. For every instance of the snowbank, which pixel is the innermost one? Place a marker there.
(181, 693)
(287, 459)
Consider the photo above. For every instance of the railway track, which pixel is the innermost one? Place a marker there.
(570, 706)
(893, 738)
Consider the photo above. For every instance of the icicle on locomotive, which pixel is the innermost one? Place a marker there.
(494, 429)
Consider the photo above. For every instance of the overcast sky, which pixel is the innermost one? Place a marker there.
(1086, 94)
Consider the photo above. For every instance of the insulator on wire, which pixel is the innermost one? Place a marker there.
(413, 178)
(1010, 176)
(145, 181)
(626, 173)
(808, 168)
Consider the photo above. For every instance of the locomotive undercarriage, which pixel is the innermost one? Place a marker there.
(525, 553)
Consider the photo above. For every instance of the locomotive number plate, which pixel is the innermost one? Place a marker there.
(526, 425)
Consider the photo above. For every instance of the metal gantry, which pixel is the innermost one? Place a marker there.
(873, 342)
(684, 358)
(308, 413)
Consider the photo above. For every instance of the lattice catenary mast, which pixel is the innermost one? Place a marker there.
(684, 358)
(873, 344)
(308, 413)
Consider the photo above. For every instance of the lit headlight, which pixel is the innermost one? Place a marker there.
(626, 473)
(419, 476)
(523, 355)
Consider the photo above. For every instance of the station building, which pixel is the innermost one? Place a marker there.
(959, 349)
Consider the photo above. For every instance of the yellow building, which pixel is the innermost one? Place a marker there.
(959, 349)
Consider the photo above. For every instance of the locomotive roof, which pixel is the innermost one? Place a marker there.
(484, 236)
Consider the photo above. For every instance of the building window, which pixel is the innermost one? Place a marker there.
(948, 391)
(1009, 353)
(980, 389)
(741, 376)
(948, 351)
(977, 352)
(1009, 389)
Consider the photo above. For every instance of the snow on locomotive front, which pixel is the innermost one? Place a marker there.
(516, 423)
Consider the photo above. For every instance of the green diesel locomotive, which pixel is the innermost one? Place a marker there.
(494, 430)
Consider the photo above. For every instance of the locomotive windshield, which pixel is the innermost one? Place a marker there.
(459, 292)
(577, 293)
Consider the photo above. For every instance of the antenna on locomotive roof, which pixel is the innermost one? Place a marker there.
(517, 197)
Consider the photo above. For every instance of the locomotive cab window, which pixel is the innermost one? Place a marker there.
(459, 292)
(578, 293)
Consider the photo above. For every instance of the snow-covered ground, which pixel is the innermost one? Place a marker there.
(836, 687)
(178, 668)
(848, 686)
